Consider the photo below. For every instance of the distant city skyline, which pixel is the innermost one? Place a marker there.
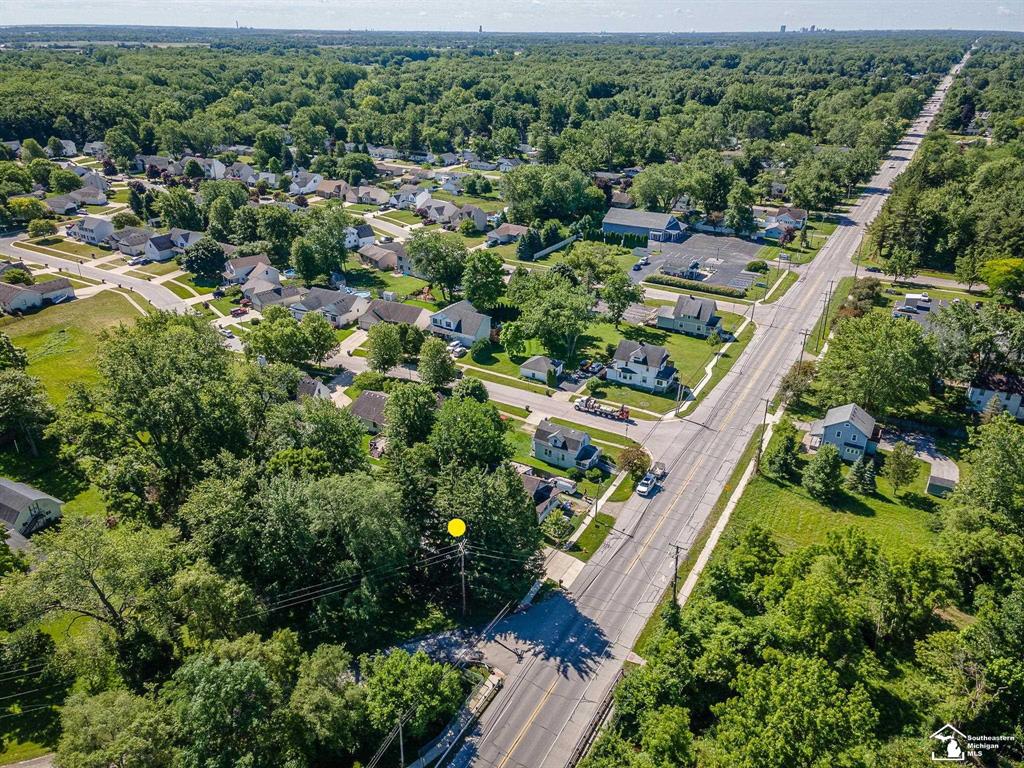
(531, 15)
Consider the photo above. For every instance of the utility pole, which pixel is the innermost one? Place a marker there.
(462, 574)
(401, 745)
(824, 318)
(675, 576)
(803, 344)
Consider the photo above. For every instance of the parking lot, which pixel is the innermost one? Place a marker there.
(719, 260)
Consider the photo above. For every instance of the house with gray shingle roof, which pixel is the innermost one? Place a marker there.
(382, 311)
(661, 227)
(642, 366)
(538, 367)
(564, 447)
(338, 307)
(461, 322)
(369, 409)
(849, 428)
(690, 315)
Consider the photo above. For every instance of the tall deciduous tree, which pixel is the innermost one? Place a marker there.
(440, 257)
(436, 367)
(483, 279)
(24, 408)
(204, 258)
(383, 347)
(619, 293)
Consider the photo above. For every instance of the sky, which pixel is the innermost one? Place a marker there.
(530, 15)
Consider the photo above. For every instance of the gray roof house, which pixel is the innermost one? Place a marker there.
(538, 366)
(160, 248)
(543, 493)
(338, 307)
(91, 229)
(461, 322)
(690, 315)
(62, 204)
(369, 409)
(382, 311)
(25, 509)
(238, 270)
(642, 366)
(310, 387)
(661, 227)
(564, 447)
(131, 241)
(849, 428)
(1006, 388)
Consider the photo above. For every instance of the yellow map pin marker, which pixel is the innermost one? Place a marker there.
(456, 527)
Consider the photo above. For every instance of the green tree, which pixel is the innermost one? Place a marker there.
(483, 279)
(326, 232)
(806, 717)
(513, 338)
(41, 228)
(1005, 276)
(398, 682)
(593, 262)
(278, 338)
(780, 458)
(634, 460)
(24, 407)
(11, 356)
(439, 257)
(114, 728)
(739, 215)
(657, 186)
(555, 311)
(31, 150)
(204, 258)
(328, 702)
(900, 466)
(18, 276)
(409, 414)
(665, 736)
(469, 433)
(901, 263)
(471, 387)
(124, 219)
(320, 336)
(383, 347)
(822, 475)
(878, 362)
(619, 293)
(178, 208)
(436, 367)
(220, 214)
(63, 181)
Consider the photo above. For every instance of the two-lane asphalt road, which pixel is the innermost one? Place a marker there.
(572, 645)
(156, 294)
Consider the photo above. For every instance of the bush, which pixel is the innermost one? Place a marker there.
(552, 378)
(478, 349)
(595, 475)
(41, 228)
(714, 338)
(370, 381)
(696, 285)
(593, 384)
(757, 266)
(575, 474)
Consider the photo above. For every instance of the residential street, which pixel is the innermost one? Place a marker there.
(157, 295)
(575, 642)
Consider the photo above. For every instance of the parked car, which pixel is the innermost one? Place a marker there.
(455, 349)
(637, 267)
(226, 333)
(647, 485)
(239, 311)
(872, 269)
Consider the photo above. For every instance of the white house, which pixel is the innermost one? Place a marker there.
(564, 447)
(89, 195)
(305, 183)
(1007, 388)
(91, 229)
(358, 236)
(131, 241)
(338, 307)
(461, 322)
(183, 238)
(159, 248)
(26, 509)
(409, 197)
(849, 428)
(238, 270)
(539, 366)
(212, 167)
(24, 298)
(642, 366)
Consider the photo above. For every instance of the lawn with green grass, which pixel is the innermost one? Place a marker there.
(62, 340)
(361, 207)
(818, 233)
(160, 267)
(400, 218)
(496, 378)
(490, 204)
(178, 289)
(81, 251)
(789, 277)
(613, 438)
(593, 537)
(698, 293)
(729, 356)
(898, 522)
(358, 276)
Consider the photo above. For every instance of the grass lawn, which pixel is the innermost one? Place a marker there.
(400, 217)
(69, 247)
(728, 358)
(160, 267)
(593, 537)
(898, 523)
(179, 290)
(62, 340)
(614, 438)
(511, 410)
(818, 233)
(702, 294)
(361, 207)
(201, 285)
(625, 489)
(788, 278)
(486, 375)
(491, 204)
(360, 277)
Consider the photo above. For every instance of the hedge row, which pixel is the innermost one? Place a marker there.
(696, 285)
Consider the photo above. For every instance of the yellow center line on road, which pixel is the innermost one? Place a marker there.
(528, 723)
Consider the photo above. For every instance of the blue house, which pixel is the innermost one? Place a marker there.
(849, 428)
(661, 227)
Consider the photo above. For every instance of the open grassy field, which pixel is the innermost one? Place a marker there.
(361, 277)
(160, 268)
(400, 218)
(62, 340)
(490, 204)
